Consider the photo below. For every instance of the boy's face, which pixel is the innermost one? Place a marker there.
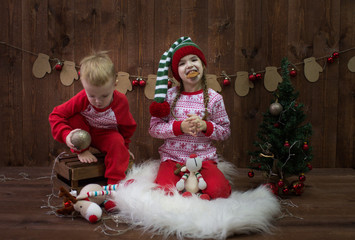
(186, 65)
(100, 97)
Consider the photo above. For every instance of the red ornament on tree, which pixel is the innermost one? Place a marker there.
(250, 174)
(286, 144)
(276, 125)
(309, 166)
(226, 82)
(305, 146)
(293, 72)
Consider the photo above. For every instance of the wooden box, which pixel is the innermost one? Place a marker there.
(75, 175)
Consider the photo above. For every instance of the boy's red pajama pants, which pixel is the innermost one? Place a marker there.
(217, 185)
(110, 142)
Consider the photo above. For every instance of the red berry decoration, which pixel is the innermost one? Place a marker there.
(335, 55)
(305, 146)
(293, 72)
(226, 82)
(59, 66)
(250, 174)
(252, 77)
(330, 59)
(302, 177)
(281, 183)
(287, 144)
(259, 76)
(142, 83)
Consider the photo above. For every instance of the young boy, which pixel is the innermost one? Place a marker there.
(100, 110)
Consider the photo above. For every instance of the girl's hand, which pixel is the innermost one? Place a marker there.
(193, 125)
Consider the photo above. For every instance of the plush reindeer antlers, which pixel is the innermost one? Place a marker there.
(65, 193)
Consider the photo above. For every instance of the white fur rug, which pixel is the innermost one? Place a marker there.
(144, 207)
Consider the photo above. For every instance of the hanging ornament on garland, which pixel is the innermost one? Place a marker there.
(250, 173)
(293, 72)
(252, 77)
(142, 82)
(58, 66)
(123, 83)
(226, 81)
(351, 64)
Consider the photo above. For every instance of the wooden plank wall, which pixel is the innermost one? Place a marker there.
(235, 35)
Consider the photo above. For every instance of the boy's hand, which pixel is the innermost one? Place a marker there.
(68, 139)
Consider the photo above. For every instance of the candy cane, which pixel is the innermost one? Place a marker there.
(98, 193)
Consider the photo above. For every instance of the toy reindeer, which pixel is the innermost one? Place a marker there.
(88, 207)
(192, 181)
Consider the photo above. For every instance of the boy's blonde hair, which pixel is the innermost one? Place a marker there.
(97, 69)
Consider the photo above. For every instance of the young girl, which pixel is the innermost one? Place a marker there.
(103, 112)
(189, 118)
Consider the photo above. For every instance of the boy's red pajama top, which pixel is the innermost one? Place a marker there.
(110, 128)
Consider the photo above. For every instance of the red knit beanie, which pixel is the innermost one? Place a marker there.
(182, 51)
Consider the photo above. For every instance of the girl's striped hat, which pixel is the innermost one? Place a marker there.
(171, 58)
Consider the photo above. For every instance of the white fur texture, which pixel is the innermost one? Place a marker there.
(144, 206)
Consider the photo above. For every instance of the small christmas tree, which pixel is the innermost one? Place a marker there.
(283, 148)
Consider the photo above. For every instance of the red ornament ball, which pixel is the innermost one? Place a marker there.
(305, 146)
(135, 82)
(250, 174)
(309, 166)
(226, 82)
(293, 72)
(335, 55)
(287, 144)
(142, 83)
(259, 76)
(58, 67)
(330, 59)
(281, 183)
(302, 177)
(276, 125)
(285, 190)
(273, 188)
(298, 188)
(252, 77)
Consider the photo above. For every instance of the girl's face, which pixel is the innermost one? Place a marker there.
(186, 65)
(100, 97)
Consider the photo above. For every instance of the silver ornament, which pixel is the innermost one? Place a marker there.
(275, 108)
(81, 139)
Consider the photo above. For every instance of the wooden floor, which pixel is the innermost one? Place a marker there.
(326, 210)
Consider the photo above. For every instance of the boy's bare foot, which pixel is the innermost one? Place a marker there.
(87, 157)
